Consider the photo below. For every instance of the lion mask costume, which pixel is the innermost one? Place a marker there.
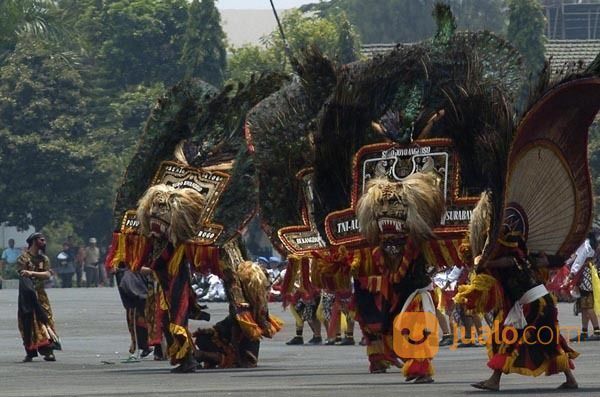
(390, 212)
(164, 211)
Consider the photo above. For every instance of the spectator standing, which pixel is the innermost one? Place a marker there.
(78, 255)
(8, 261)
(91, 260)
(65, 267)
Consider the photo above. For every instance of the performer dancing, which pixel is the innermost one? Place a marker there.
(168, 215)
(398, 217)
(36, 323)
(133, 289)
(524, 339)
(303, 302)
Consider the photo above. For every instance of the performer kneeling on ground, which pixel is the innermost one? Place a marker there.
(235, 341)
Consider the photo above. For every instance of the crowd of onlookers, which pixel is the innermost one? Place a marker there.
(73, 266)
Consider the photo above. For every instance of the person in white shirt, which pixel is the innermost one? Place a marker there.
(216, 291)
(582, 265)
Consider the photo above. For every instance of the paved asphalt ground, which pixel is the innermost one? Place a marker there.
(91, 323)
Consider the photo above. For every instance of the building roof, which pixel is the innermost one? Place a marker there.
(370, 50)
(565, 55)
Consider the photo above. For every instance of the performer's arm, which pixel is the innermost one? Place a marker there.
(499, 263)
(41, 275)
(146, 270)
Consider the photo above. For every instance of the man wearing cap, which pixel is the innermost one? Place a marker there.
(34, 313)
(92, 257)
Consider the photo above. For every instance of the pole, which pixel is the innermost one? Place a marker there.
(288, 51)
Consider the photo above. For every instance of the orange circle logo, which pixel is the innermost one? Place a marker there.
(416, 335)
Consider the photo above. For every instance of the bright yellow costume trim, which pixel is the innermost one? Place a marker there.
(175, 261)
(482, 294)
(178, 350)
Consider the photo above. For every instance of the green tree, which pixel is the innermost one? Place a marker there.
(50, 171)
(204, 50)
(132, 42)
(333, 35)
(526, 32)
(404, 21)
(28, 18)
(347, 40)
(249, 59)
(477, 15)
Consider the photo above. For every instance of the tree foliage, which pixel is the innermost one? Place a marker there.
(526, 32)
(204, 49)
(69, 117)
(334, 35)
(27, 18)
(49, 167)
(137, 41)
(405, 21)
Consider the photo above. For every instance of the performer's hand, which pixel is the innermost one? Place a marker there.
(476, 260)
(25, 273)
(145, 270)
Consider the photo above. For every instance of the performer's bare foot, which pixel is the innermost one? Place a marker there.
(486, 385)
(492, 384)
(568, 386)
(570, 382)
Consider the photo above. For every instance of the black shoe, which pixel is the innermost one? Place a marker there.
(28, 359)
(347, 342)
(186, 367)
(446, 340)
(49, 357)
(145, 352)
(296, 340)
(315, 340)
(330, 342)
(579, 338)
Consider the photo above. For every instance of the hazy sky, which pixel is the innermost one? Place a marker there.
(261, 4)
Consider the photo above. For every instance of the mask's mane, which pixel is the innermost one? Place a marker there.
(420, 193)
(184, 208)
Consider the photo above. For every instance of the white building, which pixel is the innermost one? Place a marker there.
(8, 232)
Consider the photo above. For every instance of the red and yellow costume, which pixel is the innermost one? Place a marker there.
(536, 348)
